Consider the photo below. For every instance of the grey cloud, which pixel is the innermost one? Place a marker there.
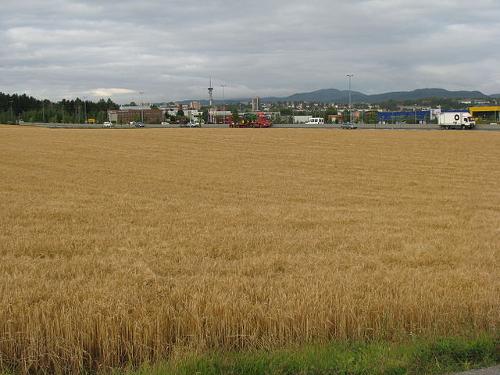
(168, 49)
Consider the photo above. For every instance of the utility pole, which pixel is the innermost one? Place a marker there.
(43, 111)
(349, 76)
(210, 100)
(223, 103)
(142, 106)
(85, 108)
(11, 111)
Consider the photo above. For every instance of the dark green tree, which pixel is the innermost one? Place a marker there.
(235, 115)
(205, 115)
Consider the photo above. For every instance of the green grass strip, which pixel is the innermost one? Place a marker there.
(420, 357)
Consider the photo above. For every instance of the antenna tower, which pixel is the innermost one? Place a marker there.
(210, 93)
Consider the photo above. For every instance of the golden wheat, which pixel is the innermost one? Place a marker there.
(125, 246)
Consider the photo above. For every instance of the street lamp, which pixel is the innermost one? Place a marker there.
(85, 108)
(349, 76)
(223, 103)
(11, 111)
(141, 93)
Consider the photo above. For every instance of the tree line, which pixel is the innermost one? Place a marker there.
(29, 109)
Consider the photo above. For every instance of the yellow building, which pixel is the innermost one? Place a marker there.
(487, 113)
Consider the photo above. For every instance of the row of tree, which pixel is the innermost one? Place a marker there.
(27, 108)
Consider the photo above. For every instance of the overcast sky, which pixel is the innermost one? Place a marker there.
(169, 49)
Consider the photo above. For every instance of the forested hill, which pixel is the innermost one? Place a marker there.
(342, 96)
(23, 107)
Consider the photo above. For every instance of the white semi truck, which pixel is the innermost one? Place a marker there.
(456, 120)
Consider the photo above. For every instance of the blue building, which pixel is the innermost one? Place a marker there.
(404, 116)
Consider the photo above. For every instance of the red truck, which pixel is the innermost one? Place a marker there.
(252, 120)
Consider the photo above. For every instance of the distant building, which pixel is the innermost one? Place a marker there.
(125, 115)
(334, 119)
(195, 105)
(193, 114)
(410, 117)
(218, 117)
(169, 109)
(171, 112)
(486, 113)
(256, 104)
(482, 102)
(356, 115)
(434, 113)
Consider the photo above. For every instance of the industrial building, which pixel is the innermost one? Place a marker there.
(404, 116)
(486, 113)
(126, 115)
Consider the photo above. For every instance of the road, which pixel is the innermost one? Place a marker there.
(489, 371)
(288, 126)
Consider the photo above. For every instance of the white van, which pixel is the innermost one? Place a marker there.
(316, 121)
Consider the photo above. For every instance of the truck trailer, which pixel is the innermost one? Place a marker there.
(456, 120)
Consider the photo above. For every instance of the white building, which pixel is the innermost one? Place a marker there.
(256, 104)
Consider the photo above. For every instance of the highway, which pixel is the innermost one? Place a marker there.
(488, 371)
(276, 126)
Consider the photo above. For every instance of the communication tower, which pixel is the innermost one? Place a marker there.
(210, 93)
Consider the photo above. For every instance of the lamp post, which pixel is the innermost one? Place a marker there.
(349, 76)
(223, 103)
(142, 106)
(85, 109)
(11, 111)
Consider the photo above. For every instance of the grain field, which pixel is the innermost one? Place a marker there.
(119, 247)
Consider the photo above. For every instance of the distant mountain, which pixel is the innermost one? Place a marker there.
(337, 96)
(328, 95)
(425, 94)
(342, 96)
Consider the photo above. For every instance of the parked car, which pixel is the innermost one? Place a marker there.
(194, 124)
(107, 124)
(190, 124)
(139, 124)
(165, 123)
(348, 125)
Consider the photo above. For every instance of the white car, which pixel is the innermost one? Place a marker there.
(107, 124)
(165, 123)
